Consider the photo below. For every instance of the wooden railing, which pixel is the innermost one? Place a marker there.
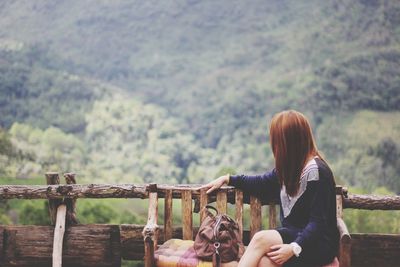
(105, 244)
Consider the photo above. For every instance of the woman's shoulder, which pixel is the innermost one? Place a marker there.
(324, 170)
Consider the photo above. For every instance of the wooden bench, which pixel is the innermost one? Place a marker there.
(153, 234)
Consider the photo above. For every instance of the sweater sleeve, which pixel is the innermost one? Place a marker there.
(264, 186)
(320, 205)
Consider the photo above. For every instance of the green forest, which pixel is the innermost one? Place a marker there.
(183, 91)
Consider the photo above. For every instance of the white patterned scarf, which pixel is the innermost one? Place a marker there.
(309, 173)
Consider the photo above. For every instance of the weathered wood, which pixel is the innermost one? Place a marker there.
(51, 179)
(371, 202)
(150, 231)
(345, 244)
(272, 216)
(139, 191)
(73, 191)
(104, 191)
(59, 231)
(132, 245)
(255, 215)
(195, 188)
(91, 245)
(239, 210)
(221, 201)
(168, 215)
(203, 203)
(381, 250)
(187, 219)
(39, 243)
(70, 202)
(1, 243)
(339, 206)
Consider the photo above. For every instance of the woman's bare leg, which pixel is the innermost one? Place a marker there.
(230, 264)
(260, 245)
(265, 261)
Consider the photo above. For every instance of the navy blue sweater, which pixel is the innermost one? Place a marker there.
(313, 212)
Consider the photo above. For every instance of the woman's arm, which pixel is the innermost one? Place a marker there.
(264, 186)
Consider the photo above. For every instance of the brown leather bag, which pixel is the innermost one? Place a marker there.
(218, 239)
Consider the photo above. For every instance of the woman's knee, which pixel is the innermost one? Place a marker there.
(265, 261)
(266, 239)
(230, 264)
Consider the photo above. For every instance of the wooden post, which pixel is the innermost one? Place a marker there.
(59, 231)
(203, 203)
(70, 202)
(345, 240)
(187, 217)
(51, 179)
(168, 215)
(221, 201)
(255, 215)
(150, 231)
(272, 216)
(239, 210)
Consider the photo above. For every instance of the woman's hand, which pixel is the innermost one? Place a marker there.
(217, 183)
(280, 253)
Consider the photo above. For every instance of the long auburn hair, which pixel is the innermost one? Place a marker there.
(292, 144)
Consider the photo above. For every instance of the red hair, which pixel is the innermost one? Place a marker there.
(292, 144)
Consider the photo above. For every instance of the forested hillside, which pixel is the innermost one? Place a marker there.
(182, 91)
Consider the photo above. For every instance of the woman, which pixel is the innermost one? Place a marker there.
(303, 184)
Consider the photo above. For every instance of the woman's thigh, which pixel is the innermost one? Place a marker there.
(265, 240)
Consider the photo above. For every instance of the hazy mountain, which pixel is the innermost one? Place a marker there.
(220, 68)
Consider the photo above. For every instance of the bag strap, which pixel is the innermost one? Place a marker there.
(216, 257)
(212, 208)
(216, 260)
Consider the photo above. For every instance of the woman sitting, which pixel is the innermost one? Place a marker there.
(303, 184)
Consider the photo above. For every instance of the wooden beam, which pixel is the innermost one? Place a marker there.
(52, 178)
(221, 201)
(150, 231)
(345, 244)
(73, 191)
(70, 202)
(255, 215)
(371, 202)
(272, 216)
(187, 216)
(92, 245)
(59, 231)
(381, 250)
(203, 203)
(168, 215)
(30, 245)
(239, 210)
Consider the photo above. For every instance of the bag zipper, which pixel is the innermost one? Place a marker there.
(216, 227)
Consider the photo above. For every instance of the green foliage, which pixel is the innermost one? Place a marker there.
(137, 143)
(31, 91)
(34, 212)
(362, 148)
(368, 81)
(7, 151)
(45, 150)
(388, 151)
(111, 211)
(4, 207)
(89, 212)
